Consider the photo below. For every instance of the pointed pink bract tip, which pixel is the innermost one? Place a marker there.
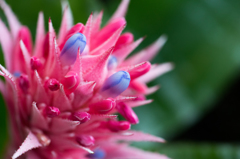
(141, 98)
(25, 35)
(123, 40)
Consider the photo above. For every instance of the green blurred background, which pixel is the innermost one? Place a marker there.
(203, 43)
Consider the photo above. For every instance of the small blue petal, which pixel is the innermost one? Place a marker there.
(116, 83)
(70, 50)
(112, 62)
(17, 74)
(98, 154)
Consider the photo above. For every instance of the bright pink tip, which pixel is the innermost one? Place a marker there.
(140, 98)
(35, 63)
(25, 35)
(52, 84)
(138, 86)
(118, 125)
(52, 112)
(108, 31)
(24, 83)
(123, 40)
(102, 107)
(70, 82)
(83, 117)
(78, 28)
(127, 113)
(46, 46)
(85, 140)
(139, 70)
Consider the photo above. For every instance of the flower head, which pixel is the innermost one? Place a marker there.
(63, 94)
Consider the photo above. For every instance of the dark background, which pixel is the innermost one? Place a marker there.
(197, 107)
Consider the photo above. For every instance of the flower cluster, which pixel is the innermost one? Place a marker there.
(63, 94)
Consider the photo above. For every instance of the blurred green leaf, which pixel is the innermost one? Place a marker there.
(188, 150)
(203, 43)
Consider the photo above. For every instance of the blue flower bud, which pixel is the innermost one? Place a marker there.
(17, 74)
(116, 84)
(98, 154)
(112, 62)
(70, 50)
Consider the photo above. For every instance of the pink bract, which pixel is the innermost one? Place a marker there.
(63, 93)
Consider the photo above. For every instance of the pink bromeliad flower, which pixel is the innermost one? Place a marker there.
(63, 94)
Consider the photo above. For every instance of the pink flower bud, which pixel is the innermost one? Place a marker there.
(70, 82)
(52, 112)
(52, 84)
(102, 107)
(35, 63)
(81, 116)
(124, 39)
(127, 113)
(85, 140)
(24, 83)
(139, 70)
(138, 86)
(118, 125)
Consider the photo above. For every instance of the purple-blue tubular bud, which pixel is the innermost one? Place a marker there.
(98, 154)
(116, 84)
(70, 50)
(112, 62)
